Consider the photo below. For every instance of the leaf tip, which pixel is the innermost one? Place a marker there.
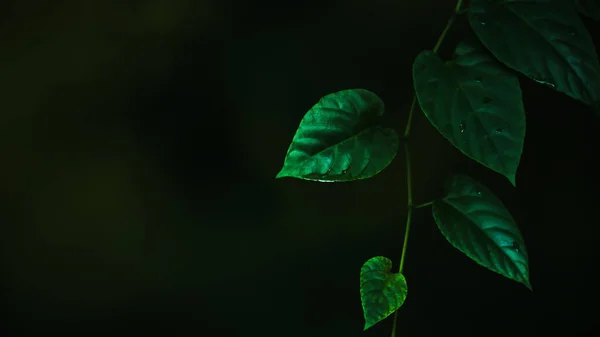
(367, 325)
(512, 178)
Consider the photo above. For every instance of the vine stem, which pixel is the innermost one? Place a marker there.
(409, 205)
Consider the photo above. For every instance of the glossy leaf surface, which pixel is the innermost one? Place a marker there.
(542, 39)
(339, 139)
(475, 103)
(476, 222)
(381, 292)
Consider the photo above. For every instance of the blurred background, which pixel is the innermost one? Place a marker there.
(139, 141)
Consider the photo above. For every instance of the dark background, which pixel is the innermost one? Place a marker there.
(139, 142)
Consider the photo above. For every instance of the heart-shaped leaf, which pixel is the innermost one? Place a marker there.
(381, 292)
(476, 222)
(338, 140)
(590, 8)
(475, 103)
(543, 39)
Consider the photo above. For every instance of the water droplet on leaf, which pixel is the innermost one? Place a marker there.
(462, 126)
(478, 79)
(499, 130)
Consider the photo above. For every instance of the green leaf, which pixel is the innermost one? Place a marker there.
(590, 8)
(475, 103)
(338, 140)
(476, 222)
(381, 292)
(542, 39)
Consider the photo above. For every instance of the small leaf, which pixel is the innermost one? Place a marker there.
(381, 292)
(338, 140)
(590, 8)
(543, 39)
(475, 103)
(476, 222)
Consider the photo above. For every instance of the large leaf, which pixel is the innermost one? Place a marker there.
(589, 8)
(381, 292)
(543, 39)
(339, 140)
(476, 222)
(476, 103)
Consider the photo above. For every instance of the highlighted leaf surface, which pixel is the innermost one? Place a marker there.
(475, 103)
(476, 222)
(543, 39)
(339, 140)
(381, 292)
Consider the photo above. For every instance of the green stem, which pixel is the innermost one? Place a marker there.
(407, 156)
(424, 205)
(410, 114)
(448, 25)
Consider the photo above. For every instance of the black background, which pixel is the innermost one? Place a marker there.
(139, 142)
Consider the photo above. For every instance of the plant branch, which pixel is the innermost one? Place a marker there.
(407, 156)
(409, 121)
(448, 25)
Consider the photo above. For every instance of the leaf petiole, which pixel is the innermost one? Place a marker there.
(424, 205)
